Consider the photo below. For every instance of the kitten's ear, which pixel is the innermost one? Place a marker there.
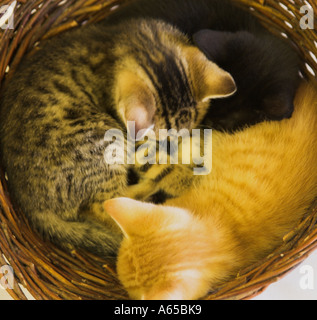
(212, 43)
(278, 106)
(135, 101)
(210, 81)
(126, 212)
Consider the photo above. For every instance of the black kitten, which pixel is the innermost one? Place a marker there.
(265, 72)
(265, 67)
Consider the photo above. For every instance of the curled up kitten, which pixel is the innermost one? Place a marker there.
(263, 180)
(77, 86)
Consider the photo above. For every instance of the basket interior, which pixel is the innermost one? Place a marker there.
(49, 273)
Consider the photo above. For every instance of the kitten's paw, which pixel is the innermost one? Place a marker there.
(140, 191)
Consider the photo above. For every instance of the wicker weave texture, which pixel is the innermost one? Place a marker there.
(49, 273)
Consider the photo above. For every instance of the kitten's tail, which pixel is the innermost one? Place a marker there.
(87, 234)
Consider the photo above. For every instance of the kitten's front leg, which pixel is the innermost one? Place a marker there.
(146, 185)
(172, 180)
(167, 179)
(163, 177)
(140, 191)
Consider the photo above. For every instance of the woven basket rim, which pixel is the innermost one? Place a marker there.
(50, 273)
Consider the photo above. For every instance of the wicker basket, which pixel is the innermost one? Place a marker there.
(49, 273)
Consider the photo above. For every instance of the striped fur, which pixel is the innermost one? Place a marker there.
(62, 100)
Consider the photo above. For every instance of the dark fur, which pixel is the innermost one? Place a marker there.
(266, 74)
(264, 67)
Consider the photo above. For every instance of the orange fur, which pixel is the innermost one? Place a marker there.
(263, 180)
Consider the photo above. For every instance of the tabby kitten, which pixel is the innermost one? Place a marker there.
(263, 180)
(264, 67)
(61, 101)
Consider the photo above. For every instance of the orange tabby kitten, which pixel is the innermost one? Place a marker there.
(263, 180)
